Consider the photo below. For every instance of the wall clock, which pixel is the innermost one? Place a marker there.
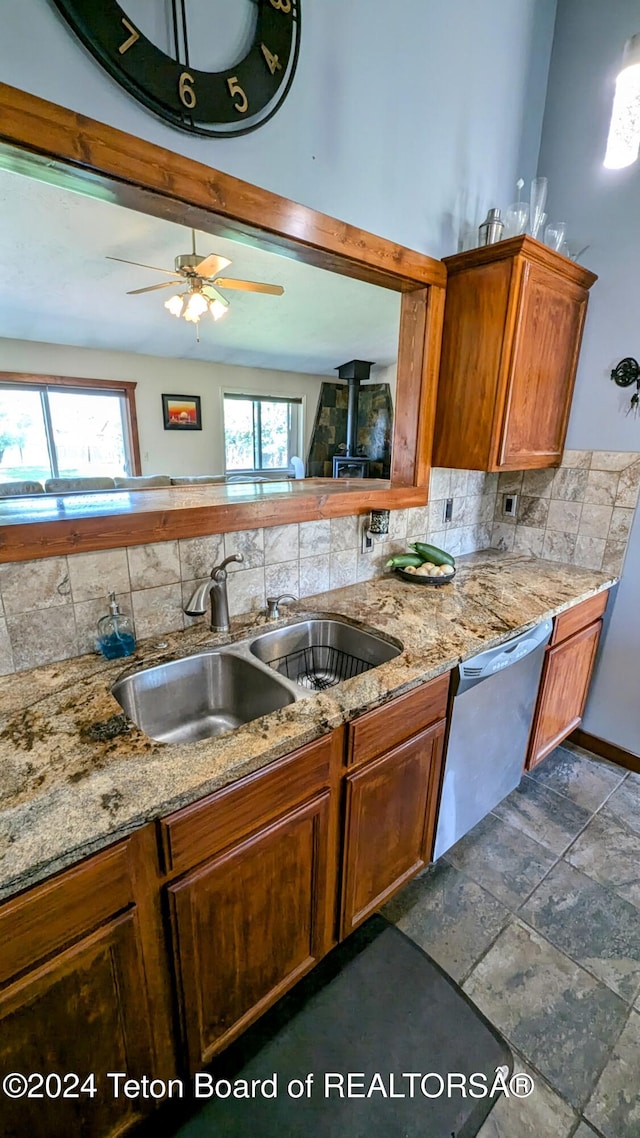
(169, 57)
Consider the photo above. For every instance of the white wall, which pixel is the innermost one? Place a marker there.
(601, 207)
(167, 452)
(405, 119)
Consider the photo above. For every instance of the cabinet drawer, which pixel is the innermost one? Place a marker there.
(208, 826)
(578, 617)
(55, 914)
(378, 731)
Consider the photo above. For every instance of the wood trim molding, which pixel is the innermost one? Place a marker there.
(66, 381)
(37, 134)
(532, 251)
(605, 750)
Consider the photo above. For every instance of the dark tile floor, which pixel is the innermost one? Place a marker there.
(537, 914)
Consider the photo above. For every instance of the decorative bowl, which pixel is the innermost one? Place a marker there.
(416, 580)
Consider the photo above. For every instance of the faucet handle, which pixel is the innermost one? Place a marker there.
(218, 569)
(273, 612)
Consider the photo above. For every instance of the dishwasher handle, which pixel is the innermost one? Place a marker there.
(486, 664)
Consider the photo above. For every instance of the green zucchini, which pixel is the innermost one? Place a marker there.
(403, 560)
(433, 554)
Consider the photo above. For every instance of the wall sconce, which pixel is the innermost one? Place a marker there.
(379, 523)
(378, 526)
(624, 132)
(625, 374)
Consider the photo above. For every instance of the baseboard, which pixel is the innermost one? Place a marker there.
(605, 750)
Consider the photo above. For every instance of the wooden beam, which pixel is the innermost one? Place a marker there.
(110, 519)
(57, 133)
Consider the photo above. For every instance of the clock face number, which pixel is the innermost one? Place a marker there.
(152, 61)
(186, 91)
(235, 89)
(134, 35)
(273, 63)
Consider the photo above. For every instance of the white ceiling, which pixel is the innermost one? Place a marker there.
(58, 287)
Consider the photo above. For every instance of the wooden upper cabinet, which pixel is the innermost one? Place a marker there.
(513, 325)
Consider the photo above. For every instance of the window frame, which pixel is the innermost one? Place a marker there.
(125, 389)
(260, 396)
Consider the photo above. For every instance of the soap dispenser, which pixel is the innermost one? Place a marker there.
(115, 632)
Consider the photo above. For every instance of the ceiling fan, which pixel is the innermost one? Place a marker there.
(200, 275)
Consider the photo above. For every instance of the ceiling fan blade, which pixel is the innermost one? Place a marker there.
(249, 286)
(152, 288)
(139, 265)
(211, 265)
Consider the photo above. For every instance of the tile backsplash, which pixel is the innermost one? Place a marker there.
(580, 513)
(50, 607)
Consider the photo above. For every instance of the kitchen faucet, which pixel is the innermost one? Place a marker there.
(215, 590)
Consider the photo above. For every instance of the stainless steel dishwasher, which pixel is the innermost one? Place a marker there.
(493, 704)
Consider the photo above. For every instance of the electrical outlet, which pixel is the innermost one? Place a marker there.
(509, 505)
(447, 513)
(367, 540)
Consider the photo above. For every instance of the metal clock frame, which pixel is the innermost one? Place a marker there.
(107, 21)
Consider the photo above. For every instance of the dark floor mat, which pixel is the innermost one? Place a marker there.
(376, 1006)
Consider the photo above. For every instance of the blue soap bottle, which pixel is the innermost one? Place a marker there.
(115, 632)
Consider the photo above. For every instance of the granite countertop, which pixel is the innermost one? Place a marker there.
(76, 775)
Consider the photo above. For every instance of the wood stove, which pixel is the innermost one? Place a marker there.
(352, 464)
(346, 467)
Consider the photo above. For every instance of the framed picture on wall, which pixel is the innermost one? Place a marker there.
(181, 412)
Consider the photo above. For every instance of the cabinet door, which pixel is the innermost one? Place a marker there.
(390, 819)
(563, 691)
(542, 370)
(83, 1012)
(248, 924)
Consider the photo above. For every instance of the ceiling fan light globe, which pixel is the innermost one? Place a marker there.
(196, 305)
(174, 304)
(217, 309)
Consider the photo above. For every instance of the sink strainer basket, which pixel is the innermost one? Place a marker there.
(319, 666)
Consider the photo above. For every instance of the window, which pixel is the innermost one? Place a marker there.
(261, 433)
(63, 429)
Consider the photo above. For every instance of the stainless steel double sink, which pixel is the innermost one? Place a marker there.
(200, 696)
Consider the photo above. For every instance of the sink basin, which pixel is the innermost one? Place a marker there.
(199, 696)
(319, 653)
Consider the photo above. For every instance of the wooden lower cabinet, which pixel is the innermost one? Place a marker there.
(253, 896)
(248, 924)
(566, 676)
(76, 999)
(390, 823)
(156, 953)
